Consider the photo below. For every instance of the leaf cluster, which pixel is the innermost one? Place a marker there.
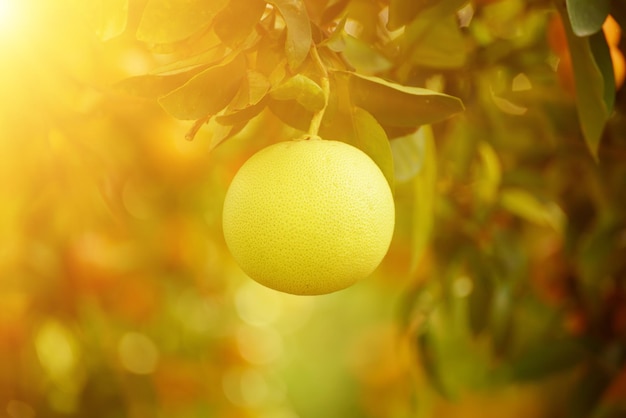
(234, 59)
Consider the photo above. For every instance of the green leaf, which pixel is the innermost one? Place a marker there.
(397, 105)
(249, 100)
(527, 206)
(332, 12)
(271, 60)
(210, 57)
(501, 326)
(370, 137)
(587, 16)
(602, 57)
(323, 12)
(480, 302)
(301, 89)
(299, 36)
(222, 132)
(588, 394)
(408, 154)
(489, 173)
(424, 196)
(235, 22)
(206, 93)
(359, 128)
(167, 21)
(108, 17)
(254, 88)
(548, 357)
(154, 86)
(402, 12)
(237, 116)
(427, 19)
(291, 112)
(363, 56)
(429, 360)
(595, 264)
(592, 89)
(441, 46)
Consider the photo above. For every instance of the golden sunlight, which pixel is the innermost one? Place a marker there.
(12, 18)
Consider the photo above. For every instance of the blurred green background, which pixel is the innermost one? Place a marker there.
(502, 293)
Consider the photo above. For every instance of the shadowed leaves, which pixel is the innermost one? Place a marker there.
(397, 105)
(206, 93)
(168, 21)
(299, 38)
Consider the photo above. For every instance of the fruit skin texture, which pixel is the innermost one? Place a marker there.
(308, 217)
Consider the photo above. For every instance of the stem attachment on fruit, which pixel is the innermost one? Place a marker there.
(316, 121)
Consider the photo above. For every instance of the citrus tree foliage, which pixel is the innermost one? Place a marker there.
(291, 57)
(500, 123)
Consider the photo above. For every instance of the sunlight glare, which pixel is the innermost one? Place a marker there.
(11, 17)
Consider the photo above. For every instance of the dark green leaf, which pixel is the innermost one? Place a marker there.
(254, 88)
(271, 59)
(235, 22)
(587, 395)
(249, 100)
(402, 12)
(429, 361)
(299, 37)
(501, 326)
(208, 92)
(291, 112)
(587, 16)
(602, 57)
(398, 105)
(548, 357)
(594, 262)
(301, 89)
(167, 21)
(244, 115)
(480, 306)
(590, 87)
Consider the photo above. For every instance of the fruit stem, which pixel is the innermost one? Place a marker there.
(316, 120)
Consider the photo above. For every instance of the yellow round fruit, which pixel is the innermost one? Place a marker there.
(309, 217)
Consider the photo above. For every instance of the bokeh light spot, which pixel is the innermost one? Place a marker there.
(257, 305)
(260, 306)
(245, 387)
(197, 314)
(462, 286)
(138, 353)
(259, 345)
(56, 349)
